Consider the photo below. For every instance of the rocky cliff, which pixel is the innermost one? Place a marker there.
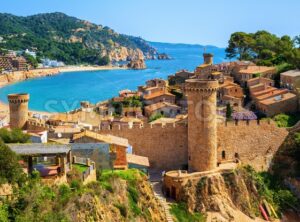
(230, 196)
(137, 64)
(23, 75)
(116, 205)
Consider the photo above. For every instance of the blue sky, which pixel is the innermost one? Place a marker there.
(177, 21)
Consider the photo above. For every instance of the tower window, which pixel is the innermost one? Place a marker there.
(223, 155)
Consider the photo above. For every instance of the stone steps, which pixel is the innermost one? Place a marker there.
(157, 188)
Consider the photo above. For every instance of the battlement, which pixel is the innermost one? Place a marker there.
(250, 123)
(31, 124)
(199, 85)
(122, 127)
(18, 98)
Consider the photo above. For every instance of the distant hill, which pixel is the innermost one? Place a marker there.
(68, 39)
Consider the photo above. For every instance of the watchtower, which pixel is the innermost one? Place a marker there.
(202, 124)
(18, 108)
(208, 58)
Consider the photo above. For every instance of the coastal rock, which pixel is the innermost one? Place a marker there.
(163, 56)
(125, 54)
(137, 64)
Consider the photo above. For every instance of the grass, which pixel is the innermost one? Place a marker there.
(80, 168)
(287, 120)
(183, 215)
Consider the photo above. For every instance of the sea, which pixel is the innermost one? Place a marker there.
(63, 92)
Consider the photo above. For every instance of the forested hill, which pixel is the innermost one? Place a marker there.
(65, 38)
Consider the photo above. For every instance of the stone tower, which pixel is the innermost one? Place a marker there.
(18, 108)
(202, 124)
(208, 58)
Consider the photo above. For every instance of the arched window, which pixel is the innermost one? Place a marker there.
(223, 155)
(236, 155)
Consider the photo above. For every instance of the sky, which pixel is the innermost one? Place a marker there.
(207, 22)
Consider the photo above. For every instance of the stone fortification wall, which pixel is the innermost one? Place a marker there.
(165, 146)
(252, 142)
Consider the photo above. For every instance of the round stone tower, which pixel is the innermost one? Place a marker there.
(208, 58)
(18, 109)
(202, 124)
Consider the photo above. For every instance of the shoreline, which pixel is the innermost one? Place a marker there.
(89, 68)
(47, 72)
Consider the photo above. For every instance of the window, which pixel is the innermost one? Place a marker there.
(223, 155)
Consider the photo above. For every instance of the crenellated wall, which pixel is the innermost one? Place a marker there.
(252, 142)
(165, 146)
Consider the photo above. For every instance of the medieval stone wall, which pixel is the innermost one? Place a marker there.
(252, 143)
(166, 147)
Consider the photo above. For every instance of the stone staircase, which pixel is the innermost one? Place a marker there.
(157, 188)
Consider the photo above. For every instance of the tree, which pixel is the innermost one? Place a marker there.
(13, 136)
(10, 169)
(240, 45)
(31, 60)
(228, 111)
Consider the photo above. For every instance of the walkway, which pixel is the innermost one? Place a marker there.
(157, 188)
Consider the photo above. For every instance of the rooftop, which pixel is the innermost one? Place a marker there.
(291, 73)
(103, 138)
(39, 149)
(157, 94)
(272, 93)
(138, 160)
(257, 69)
(160, 105)
(276, 99)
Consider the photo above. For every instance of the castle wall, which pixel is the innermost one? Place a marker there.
(253, 144)
(166, 147)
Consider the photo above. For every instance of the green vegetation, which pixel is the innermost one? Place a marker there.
(10, 169)
(155, 116)
(228, 111)
(65, 38)
(286, 162)
(13, 136)
(271, 188)
(286, 120)
(134, 101)
(36, 202)
(80, 168)
(264, 48)
(183, 215)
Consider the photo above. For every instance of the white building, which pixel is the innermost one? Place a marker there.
(38, 136)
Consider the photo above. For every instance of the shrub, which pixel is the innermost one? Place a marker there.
(14, 136)
(183, 215)
(286, 120)
(155, 116)
(10, 169)
(122, 208)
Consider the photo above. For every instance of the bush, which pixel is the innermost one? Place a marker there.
(14, 136)
(183, 215)
(122, 208)
(10, 169)
(286, 120)
(3, 213)
(155, 116)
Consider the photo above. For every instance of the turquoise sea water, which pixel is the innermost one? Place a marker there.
(65, 91)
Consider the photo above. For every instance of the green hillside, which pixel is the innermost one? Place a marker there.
(68, 39)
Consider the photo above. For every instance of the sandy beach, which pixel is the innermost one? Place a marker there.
(88, 68)
(4, 109)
